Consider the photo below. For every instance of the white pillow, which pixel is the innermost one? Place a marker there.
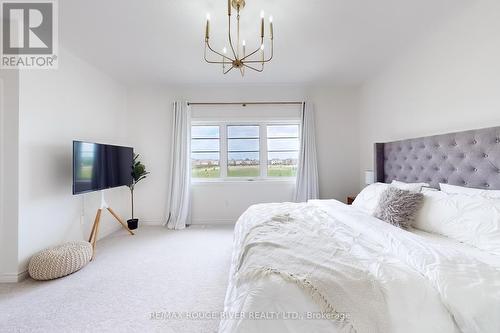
(367, 200)
(453, 189)
(474, 220)
(412, 187)
(428, 189)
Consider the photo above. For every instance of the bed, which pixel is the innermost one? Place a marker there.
(323, 266)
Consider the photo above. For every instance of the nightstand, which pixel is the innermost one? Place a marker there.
(350, 199)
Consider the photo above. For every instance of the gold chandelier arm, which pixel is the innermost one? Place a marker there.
(253, 68)
(217, 62)
(229, 36)
(238, 35)
(272, 51)
(260, 61)
(210, 61)
(207, 44)
(230, 68)
(251, 54)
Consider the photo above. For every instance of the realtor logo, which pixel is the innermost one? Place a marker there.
(29, 34)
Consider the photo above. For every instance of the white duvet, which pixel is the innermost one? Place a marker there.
(294, 263)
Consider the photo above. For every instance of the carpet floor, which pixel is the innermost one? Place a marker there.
(133, 285)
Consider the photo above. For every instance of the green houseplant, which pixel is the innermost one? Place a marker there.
(138, 173)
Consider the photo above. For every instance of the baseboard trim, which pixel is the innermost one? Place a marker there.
(151, 223)
(213, 221)
(193, 222)
(13, 277)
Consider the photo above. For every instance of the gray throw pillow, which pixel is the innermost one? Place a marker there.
(399, 207)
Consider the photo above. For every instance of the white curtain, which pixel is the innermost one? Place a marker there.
(179, 199)
(307, 172)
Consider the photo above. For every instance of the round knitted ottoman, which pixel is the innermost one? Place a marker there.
(59, 261)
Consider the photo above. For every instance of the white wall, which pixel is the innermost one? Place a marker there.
(74, 102)
(447, 82)
(337, 139)
(223, 203)
(9, 143)
(149, 114)
(149, 110)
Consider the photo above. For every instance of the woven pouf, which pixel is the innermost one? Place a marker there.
(59, 261)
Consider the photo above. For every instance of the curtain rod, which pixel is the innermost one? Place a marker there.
(248, 103)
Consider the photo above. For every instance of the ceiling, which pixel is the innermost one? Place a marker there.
(161, 41)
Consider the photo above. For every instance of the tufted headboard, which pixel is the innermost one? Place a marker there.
(470, 158)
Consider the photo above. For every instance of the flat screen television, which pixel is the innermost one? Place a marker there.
(98, 166)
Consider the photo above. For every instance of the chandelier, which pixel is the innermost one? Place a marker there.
(237, 57)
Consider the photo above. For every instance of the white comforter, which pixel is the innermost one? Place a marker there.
(284, 275)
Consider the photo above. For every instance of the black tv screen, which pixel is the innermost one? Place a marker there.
(98, 166)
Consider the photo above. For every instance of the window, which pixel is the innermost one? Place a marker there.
(282, 150)
(224, 150)
(205, 151)
(243, 153)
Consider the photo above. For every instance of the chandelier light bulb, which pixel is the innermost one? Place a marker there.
(224, 50)
(244, 43)
(207, 27)
(262, 14)
(271, 19)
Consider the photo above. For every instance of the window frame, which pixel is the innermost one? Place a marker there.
(263, 153)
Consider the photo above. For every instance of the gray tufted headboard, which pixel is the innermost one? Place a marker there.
(470, 158)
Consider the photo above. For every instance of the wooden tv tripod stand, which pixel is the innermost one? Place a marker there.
(95, 226)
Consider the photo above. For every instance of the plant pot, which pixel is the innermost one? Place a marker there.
(132, 223)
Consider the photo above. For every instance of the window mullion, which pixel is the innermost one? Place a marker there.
(223, 150)
(263, 150)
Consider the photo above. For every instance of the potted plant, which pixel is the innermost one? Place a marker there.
(138, 173)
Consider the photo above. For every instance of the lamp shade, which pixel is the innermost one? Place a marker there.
(369, 177)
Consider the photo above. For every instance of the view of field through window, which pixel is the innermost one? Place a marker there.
(242, 147)
(205, 151)
(243, 151)
(282, 150)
